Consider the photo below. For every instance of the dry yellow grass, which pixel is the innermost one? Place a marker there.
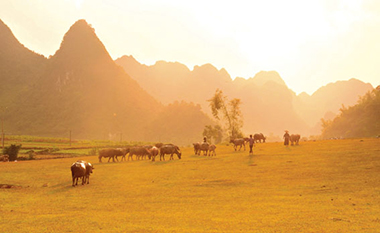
(323, 186)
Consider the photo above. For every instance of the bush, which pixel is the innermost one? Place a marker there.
(12, 151)
(93, 151)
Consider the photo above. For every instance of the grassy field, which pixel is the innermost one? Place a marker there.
(322, 186)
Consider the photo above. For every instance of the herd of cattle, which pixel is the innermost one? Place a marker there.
(141, 152)
(82, 169)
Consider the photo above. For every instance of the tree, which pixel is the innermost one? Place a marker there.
(12, 151)
(230, 111)
(215, 133)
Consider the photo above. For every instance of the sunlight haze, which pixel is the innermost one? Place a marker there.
(309, 43)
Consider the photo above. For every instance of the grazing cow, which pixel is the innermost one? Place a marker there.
(294, 139)
(258, 137)
(197, 147)
(238, 142)
(123, 153)
(169, 149)
(110, 153)
(4, 158)
(212, 149)
(154, 152)
(78, 171)
(139, 151)
(204, 147)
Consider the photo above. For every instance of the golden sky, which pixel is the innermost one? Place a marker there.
(309, 43)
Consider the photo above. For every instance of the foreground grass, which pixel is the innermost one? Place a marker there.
(323, 186)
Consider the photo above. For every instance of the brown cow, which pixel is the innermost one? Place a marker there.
(139, 151)
(154, 152)
(89, 168)
(258, 137)
(212, 149)
(204, 147)
(110, 153)
(169, 149)
(78, 171)
(197, 147)
(294, 139)
(238, 142)
(124, 152)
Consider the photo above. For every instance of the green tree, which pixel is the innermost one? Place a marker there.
(12, 151)
(230, 112)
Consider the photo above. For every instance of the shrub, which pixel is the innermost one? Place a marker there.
(12, 151)
(93, 151)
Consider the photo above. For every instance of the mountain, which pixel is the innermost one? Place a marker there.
(328, 100)
(19, 67)
(268, 105)
(360, 120)
(266, 100)
(81, 89)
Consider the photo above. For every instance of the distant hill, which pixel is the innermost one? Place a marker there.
(81, 89)
(268, 105)
(328, 100)
(360, 120)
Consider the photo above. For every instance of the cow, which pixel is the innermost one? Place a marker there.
(294, 139)
(197, 147)
(154, 151)
(110, 153)
(238, 142)
(258, 137)
(169, 149)
(204, 147)
(4, 158)
(78, 171)
(212, 149)
(139, 151)
(124, 152)
(89, 168)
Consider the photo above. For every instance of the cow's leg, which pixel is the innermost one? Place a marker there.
(73, 181)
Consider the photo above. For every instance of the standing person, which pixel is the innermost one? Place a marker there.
(251, 142)
(286, 138)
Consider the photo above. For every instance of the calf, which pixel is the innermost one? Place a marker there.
(211, 149)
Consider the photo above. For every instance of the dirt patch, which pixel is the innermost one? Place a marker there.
(8, 186)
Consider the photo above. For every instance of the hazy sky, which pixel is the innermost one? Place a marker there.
(309, 43)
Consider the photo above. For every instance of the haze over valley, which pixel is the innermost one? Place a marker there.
(82, 89)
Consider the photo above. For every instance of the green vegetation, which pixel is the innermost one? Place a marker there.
(230, 111)
(360, 120)
(12, 151)
(214, 134)
(322, 186)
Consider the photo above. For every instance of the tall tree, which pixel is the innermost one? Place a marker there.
(230, 112)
